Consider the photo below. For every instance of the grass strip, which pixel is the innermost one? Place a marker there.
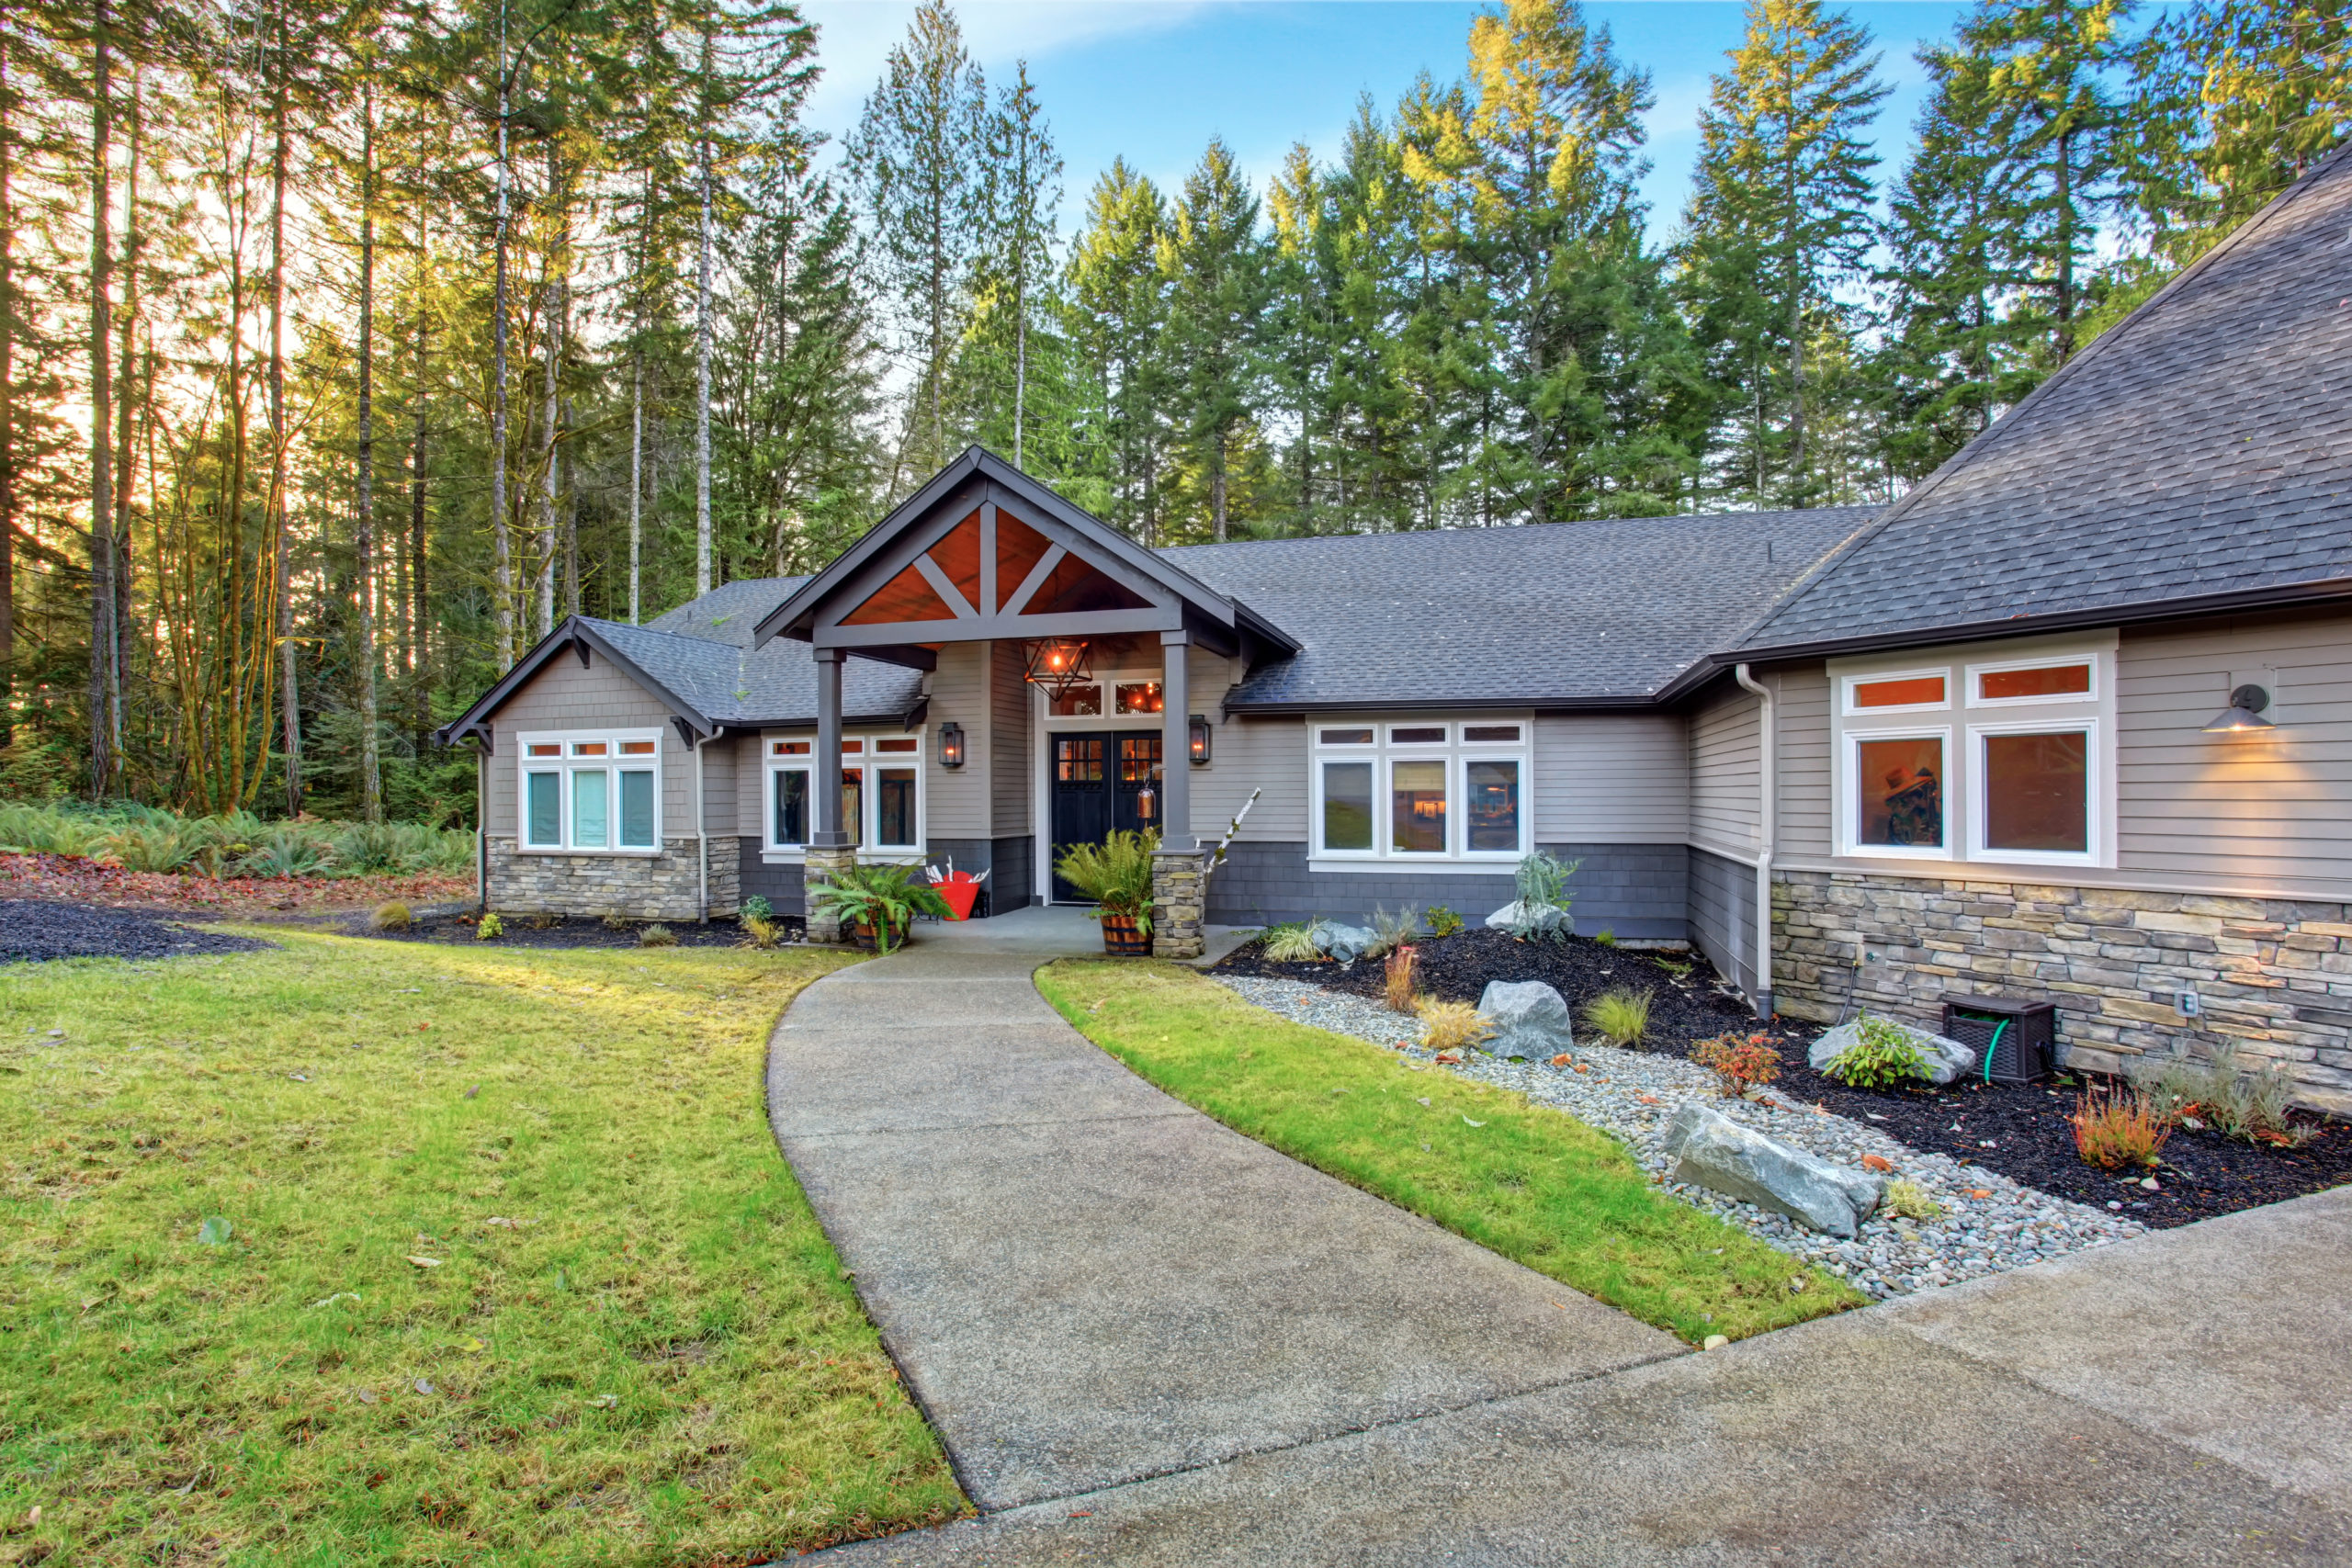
(1524, 1181)
(370, 1252)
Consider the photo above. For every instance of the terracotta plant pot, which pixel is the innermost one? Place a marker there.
(1122, 939)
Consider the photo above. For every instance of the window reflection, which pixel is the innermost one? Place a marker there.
(1902, 792)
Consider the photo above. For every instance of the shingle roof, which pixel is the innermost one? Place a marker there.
(2203, 448)
(1562, 612)
(701, 653)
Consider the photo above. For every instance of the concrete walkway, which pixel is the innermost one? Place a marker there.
(1149, 1341)
(1087, 1283)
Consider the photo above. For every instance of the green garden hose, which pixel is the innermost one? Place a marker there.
(1988, 1048)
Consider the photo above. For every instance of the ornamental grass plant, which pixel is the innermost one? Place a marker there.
(1401, 974)
(1620, 1016)
(2118, 1126)
(1453, 1026)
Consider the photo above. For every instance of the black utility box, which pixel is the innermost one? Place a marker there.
(2022, 1036)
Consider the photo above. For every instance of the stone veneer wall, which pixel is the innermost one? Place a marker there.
(664, 886)
(2272, 976)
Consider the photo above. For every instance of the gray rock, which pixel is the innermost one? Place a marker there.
(1713, 1150)
(1546, 919)
(1531, 1020)
(1345, 944)
(1946, 1059)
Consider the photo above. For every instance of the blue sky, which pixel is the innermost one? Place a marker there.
(1153, 80)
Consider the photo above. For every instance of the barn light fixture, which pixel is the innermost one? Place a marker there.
(2243, 716)
(1058, 665)
(951, 745)
(1200, 739)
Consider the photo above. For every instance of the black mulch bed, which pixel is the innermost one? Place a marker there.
(532, 931)
(2204, 1173)
(35, 930)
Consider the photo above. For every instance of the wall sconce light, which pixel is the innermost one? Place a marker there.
(951, 745)
(1200, 740)
(2243, 716)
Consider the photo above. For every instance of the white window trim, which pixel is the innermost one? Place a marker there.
(2094, 791)
(1850, 798)
(612, 765)
(862, 761)
(1383, 754)
(1875, 677)
(2079, 699)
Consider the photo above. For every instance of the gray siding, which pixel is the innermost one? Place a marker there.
(1264, 754)
(1637, 891)
(1801, 717)
(1725, 773)
(1611, 779)
(563, 696)
(1012, 752)
(779, 885)
(958, 806)
(1723, 916)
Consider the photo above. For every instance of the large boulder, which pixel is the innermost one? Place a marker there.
(1544, 920)
(1346, 943)
(1529, 1020)
(1946, 1058)
(1712, 1150)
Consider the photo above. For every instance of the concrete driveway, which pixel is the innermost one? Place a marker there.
(1147, 1340)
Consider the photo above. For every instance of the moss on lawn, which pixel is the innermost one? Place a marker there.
(1526, 1182)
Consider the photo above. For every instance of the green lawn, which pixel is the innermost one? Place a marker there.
(512, 1271)
(1525, 1181)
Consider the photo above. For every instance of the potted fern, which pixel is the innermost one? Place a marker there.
(1116, 873)
(878, 903)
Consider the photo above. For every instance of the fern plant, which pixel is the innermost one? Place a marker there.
(1115, 874)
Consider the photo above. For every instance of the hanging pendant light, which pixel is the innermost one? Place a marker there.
(1059, 664)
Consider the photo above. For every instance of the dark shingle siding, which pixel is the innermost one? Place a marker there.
(2203, 448)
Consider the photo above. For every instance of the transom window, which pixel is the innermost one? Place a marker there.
(1418, 790)
(589, 793)
(881, 793)
(1925, 772)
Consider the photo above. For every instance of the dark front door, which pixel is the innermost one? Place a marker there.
(1103, 780)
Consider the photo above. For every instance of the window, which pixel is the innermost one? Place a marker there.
(586, 793)
(1139, 697)
(2030, 787)
(1079, 702)
(1451, 791)
(881, 793)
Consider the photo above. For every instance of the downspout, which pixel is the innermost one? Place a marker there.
(702, 838)
(481, 831)
(1767, 833)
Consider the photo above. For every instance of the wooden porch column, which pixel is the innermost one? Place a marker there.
(829, 834)
(1175, 744)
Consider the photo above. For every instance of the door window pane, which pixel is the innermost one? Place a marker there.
(1902, 788)
(1493, 805)
(546, 826)
(1912, 690)
(1078, 759)
(894, 807)
(636, 808)
(1347, 805)
(792, 806)
(2037, 792)
(1079, 702)
(1417, 807)
(2049, 681)
(852, 808)
(588, 809)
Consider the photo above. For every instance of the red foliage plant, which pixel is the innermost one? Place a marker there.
(2117, 1127)
(1404, 972)
(1740, 1066)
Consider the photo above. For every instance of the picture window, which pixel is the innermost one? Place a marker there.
(591, 793)
(881, 800)
(1426, 791)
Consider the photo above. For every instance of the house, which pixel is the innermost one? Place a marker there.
(2072, 721)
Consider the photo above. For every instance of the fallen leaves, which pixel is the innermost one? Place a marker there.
(1877, 1162)
(86, 881)
(215, 1230)
(423, 1262)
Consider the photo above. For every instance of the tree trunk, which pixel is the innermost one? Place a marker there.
(2065, 245)
(571, 511)
(636, 474)
(371, 782)
(544, 577)
(419, 598)
(118, 548)
(502, 544)
(101, 409)
(1019, 356)
(1217, 487)
(8, 410)
(290, 680)
(702, 346)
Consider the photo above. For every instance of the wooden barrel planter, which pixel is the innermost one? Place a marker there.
(1123, 939)
(863, 931)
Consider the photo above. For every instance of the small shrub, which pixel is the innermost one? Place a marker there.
(657, 935)
(1882, 1057)
(757, 908)
(1908, 1199)
(1606, 936)
(1450, 1026)
(1291, 944)
(614, 921)
(1403, 974)
(1742, 1065)
(1541, 883)
(1390, 932)
(1621, 1017)
(761, 933)
(491, 928)
(1679, 968)
(390, 916)
(2119, 1127)
(286, 849)
(1442, 922)
(2237, 1101)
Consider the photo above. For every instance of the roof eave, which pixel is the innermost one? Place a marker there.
(573, 628)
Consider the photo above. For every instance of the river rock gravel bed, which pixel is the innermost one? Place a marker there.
(1990, 1223)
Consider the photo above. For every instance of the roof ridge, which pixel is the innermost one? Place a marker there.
(2098, 350)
